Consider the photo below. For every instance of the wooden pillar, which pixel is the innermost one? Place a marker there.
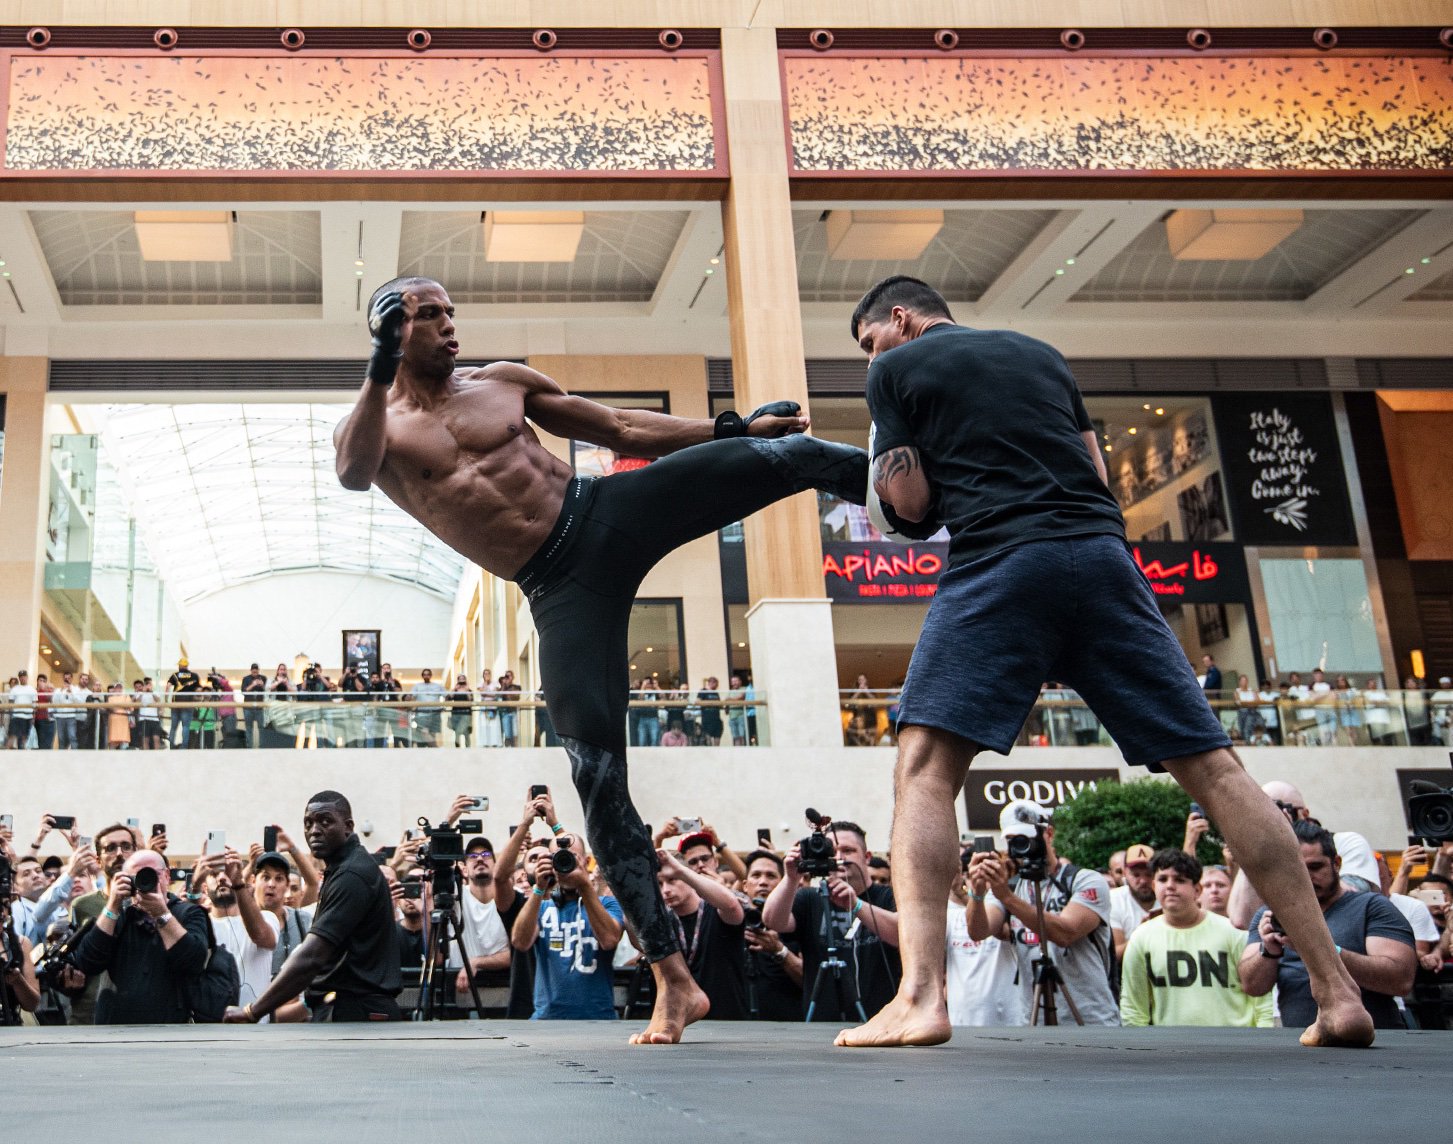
(789, 622)
(24, 503)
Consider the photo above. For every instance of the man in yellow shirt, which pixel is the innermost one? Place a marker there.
(1181, 968)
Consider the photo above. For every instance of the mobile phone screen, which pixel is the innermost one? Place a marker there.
(269, 838)
(983, 844)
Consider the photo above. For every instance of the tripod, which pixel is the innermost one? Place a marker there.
(832, 966)
(1047, 977)
(444, 930)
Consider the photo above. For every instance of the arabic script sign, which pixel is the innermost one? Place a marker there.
(1184, 573)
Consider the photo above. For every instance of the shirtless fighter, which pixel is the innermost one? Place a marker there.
(454, 449)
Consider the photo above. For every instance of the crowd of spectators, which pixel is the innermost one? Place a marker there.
(117, 927)
(1311, 711)
(361, 708)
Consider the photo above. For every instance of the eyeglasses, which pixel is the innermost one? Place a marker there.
(480, 854)
(118, 848)
(701, 862)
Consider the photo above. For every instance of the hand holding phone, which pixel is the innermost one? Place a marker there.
(269, 838)
(216, 842)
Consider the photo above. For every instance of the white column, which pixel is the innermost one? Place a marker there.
(792, 658)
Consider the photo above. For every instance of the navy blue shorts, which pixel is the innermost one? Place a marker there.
(1075, 611)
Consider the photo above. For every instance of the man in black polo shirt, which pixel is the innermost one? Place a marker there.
(348, 965)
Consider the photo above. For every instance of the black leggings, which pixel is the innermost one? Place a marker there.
(581, 585)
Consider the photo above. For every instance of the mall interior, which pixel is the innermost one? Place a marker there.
(1239, 234)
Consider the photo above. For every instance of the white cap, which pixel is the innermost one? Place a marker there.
(1022, 817)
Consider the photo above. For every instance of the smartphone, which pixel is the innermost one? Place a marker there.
(1196, 811)
(134, 823)
(269, 838)
(513, 828)
(1413, 839)
(481, 802)
(216, 842)
(413, 888)
(7, 822)
(689, 825)
(539, 790)
(64, 821)
(85, 840)
(387, 852)
(470, 826)
(983, 844)
(764, 837)
(158, 828)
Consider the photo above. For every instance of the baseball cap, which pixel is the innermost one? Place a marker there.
(1139, 854)
(700, 838)
(52, 862)
(1022, 817)
(271, 858)
(479, 842)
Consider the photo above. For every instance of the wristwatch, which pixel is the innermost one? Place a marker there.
(1271, 956)
(163, 920)
(780, 953)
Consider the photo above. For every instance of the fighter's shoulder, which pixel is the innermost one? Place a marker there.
(506, 373)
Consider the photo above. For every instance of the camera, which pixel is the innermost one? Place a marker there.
(146, 880)
(1022, 823)
(817, 856)
(7, 885)
(752, 915)
(564, 859)
(1430, 811)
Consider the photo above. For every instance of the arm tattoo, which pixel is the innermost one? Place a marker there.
(897, 463)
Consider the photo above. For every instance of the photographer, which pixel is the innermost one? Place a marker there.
(511, 899)
(861, 918)
(19, 989)
(774, 968)
(709, 920)
(1372, 938)
(1076, 914)
(573, 932)
(148, 942)
(348, 965)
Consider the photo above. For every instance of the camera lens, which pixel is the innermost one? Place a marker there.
(145, 880)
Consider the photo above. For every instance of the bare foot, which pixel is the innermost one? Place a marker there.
(899, 1023)
(1345, 1026)
(678, 1004)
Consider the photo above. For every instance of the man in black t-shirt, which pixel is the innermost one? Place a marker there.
(186, 683)
(348, 965)
(254, 691)
(709, 920)
(864, 926)
(985, 432)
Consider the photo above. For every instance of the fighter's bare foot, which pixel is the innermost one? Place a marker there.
(677, 1005)
(1346, 1026)
(899, 1023)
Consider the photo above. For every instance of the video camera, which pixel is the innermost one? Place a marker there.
(440, 855)
(817, 854)
(1022, 823)
(61, 943)
(1430, 810)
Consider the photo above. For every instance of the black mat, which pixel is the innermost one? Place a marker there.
(579, 1082)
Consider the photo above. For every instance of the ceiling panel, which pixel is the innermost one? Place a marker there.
(621, 258)
(1328, 242)
(962, 261)
(1438, 290)
(94, 260)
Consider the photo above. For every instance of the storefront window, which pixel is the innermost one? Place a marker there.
(655, 642)
(1321, 615)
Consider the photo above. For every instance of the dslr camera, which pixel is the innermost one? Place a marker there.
(817, 855)
(146, 880)
(1430, 811)
(563, 858)
(752, 915)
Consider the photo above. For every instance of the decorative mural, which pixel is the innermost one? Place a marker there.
(93, 113)
(1261, 113)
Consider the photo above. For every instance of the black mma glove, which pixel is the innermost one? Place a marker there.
(733, 424)
(386, 324)
(912, 529)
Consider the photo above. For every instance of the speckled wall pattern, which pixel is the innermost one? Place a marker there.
(1333, 113)
(229, 113)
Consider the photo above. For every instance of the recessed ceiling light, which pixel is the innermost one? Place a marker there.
(1109, 448)
(1410, 270)
(1069, 261)
(1059, 272)
(1424, 261)
(1160, 412)
(358, 273)
(1145, 407)
(741, 643)
(716, 261)
(709, 270)
(650, 649)
(358, 262)
(1133, 430)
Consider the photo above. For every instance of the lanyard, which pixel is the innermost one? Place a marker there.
(696, 935)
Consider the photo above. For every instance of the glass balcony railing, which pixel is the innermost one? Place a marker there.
(1060, 718)
(323, 720)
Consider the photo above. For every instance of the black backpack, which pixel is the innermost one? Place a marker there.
(218, 985)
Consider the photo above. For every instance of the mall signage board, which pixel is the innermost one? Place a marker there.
(870, 572)
(1183, 573)
(987, 793)
(1283, 467)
